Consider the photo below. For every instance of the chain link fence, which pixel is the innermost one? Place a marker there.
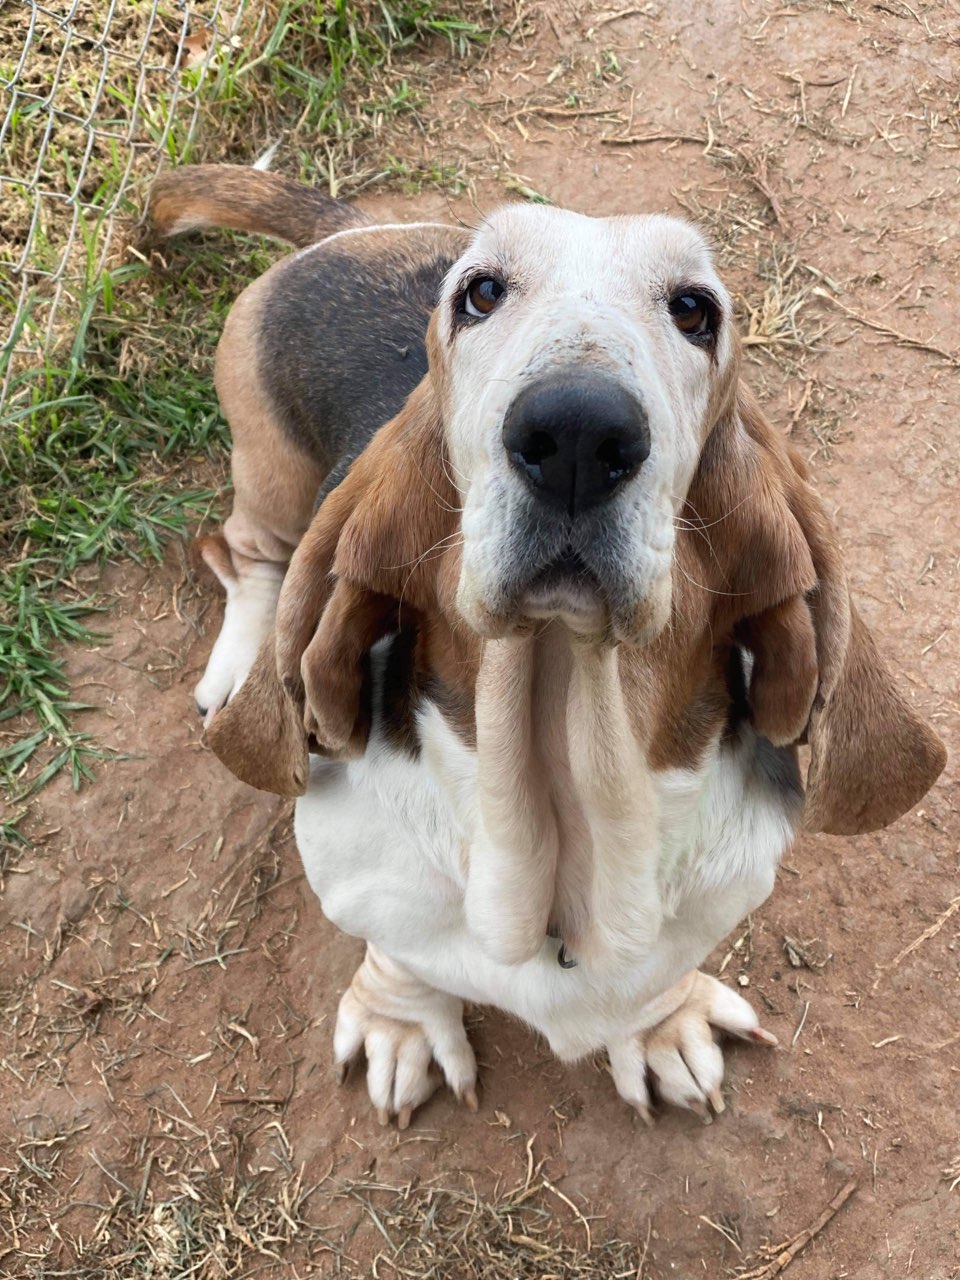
(95, 95)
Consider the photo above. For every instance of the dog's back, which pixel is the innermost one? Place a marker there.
(330, 341)
(316, 355)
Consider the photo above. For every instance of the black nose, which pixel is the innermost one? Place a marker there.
(575, 437)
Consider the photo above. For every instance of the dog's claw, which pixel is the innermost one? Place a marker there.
(342, 1070)
(406, 1059)
(716, 1101)
(699, 1109)
(645, 1114)
(762, 1036)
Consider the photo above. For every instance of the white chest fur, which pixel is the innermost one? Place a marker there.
(386, 843)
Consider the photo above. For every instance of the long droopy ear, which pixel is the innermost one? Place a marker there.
(378, 551)
(872, 758)
(817, 675)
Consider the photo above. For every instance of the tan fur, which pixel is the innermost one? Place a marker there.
(223, 195)
(785, 676)
(332, 666)
(264, 742)
(871, 756)
(210, 553)
(275, 482)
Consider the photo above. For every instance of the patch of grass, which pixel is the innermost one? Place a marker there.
(414, 178)
(350, 48)
(91, 459)
(13, 843)
(98, 430)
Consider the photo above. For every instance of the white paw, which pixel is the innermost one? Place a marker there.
(682, 1053)
(401, 1052)
(247, 619)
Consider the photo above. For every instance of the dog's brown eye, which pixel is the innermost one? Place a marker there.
(482, 296)
(693, 314)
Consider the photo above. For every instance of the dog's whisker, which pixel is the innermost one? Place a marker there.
(449, 540)
(702, 587)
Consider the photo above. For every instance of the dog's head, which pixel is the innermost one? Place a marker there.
(579, 364)
(582, 451)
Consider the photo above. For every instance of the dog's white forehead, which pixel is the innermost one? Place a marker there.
(536, 246)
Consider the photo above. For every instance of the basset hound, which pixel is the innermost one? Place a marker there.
(531, 608)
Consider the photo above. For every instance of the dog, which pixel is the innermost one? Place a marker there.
(532, 609)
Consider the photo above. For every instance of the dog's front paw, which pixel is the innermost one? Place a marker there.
(407, 1030)
(681, 1053)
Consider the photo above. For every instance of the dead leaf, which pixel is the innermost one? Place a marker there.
(195, 48)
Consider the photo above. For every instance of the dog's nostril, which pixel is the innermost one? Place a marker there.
(610, 454)
(537, 448)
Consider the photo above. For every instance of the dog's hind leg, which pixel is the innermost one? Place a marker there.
(275, 485)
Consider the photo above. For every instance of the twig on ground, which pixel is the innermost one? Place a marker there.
(615, 17)
(927, 934)
(903, 339)
(637, 138)
(796, 1034)
(799, 1242)
(724, 1231)
(562, 113)
(754, 170)
(573, 1208)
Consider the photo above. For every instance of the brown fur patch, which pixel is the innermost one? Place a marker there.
(244, 199)
(210, 554)
(740, 553)
(872, 757)
(374, 551)
(259, 734)
(383, 529)
(333, 666)
(785, 675)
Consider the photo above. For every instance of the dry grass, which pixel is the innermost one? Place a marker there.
(205, 1212)
(206, 1216)
(445, 1233)
(201, 1214)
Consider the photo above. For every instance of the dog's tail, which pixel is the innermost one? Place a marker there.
(196, 196)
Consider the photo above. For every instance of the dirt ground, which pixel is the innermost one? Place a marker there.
(170, 983)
